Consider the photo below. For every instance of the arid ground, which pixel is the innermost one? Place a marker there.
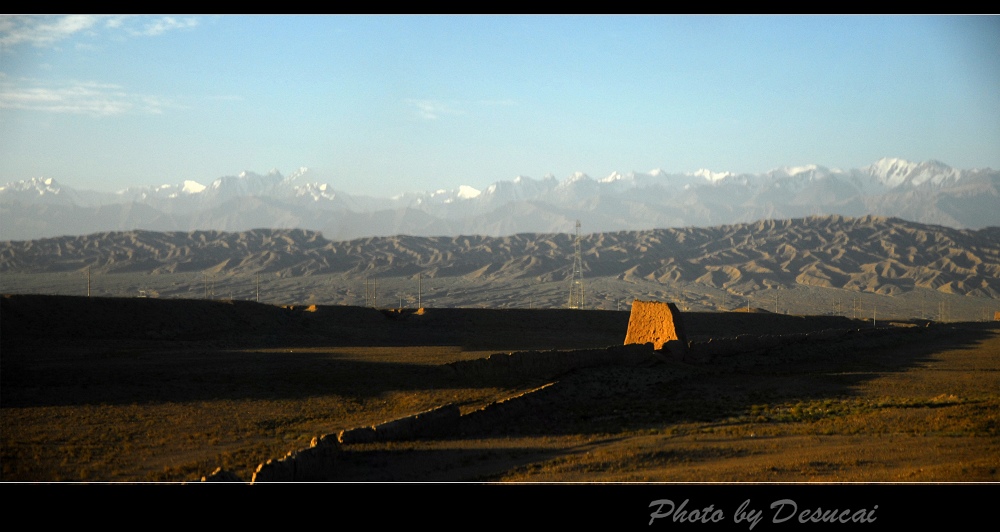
(116, 390)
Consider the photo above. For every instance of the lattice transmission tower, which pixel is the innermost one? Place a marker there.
(371, 291)
(576, 291)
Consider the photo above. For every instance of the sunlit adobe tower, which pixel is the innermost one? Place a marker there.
(576, 280)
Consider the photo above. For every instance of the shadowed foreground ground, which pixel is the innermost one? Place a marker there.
(136, 390)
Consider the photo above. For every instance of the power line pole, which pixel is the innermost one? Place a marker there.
(88, 281)
(576, 290)
(371, 287)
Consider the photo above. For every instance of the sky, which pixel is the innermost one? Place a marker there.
(381, 105)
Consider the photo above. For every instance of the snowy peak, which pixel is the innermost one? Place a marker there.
(35, 185)
(960, 198)
(710, 176)
(807, 172)
(521, 188)
(577, 177)
(186, 188)
(796, 170)
(315, 191)
(447, 197)
(301, 172)
(893, 172)
(616, 177)
(246, 184)
(192, 187)
(467, 192)
(298, 184)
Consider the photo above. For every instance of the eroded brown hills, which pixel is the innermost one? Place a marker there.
(867, 254)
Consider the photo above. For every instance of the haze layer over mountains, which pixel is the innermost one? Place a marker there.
(928, 192)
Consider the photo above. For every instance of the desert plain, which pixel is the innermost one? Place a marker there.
(104, 389)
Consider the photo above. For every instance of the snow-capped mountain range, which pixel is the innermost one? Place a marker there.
(928, 192)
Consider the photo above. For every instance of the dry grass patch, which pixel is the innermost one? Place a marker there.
(236, 414)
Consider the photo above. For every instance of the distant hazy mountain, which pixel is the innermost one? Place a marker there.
(927, 192)
(867, 254)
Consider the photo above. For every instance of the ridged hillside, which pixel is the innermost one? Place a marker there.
(872, 254)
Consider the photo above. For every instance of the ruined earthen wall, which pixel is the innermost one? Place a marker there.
(318, 461)
(545, 364)
(749, 344)
(431, 422)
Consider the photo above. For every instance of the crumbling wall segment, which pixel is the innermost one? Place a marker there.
(547, 364)
(315, 463)
(432, 422)
(318, 462)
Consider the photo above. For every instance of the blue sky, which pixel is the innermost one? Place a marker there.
(383, 105)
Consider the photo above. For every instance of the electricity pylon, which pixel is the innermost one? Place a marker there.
(576, 291)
